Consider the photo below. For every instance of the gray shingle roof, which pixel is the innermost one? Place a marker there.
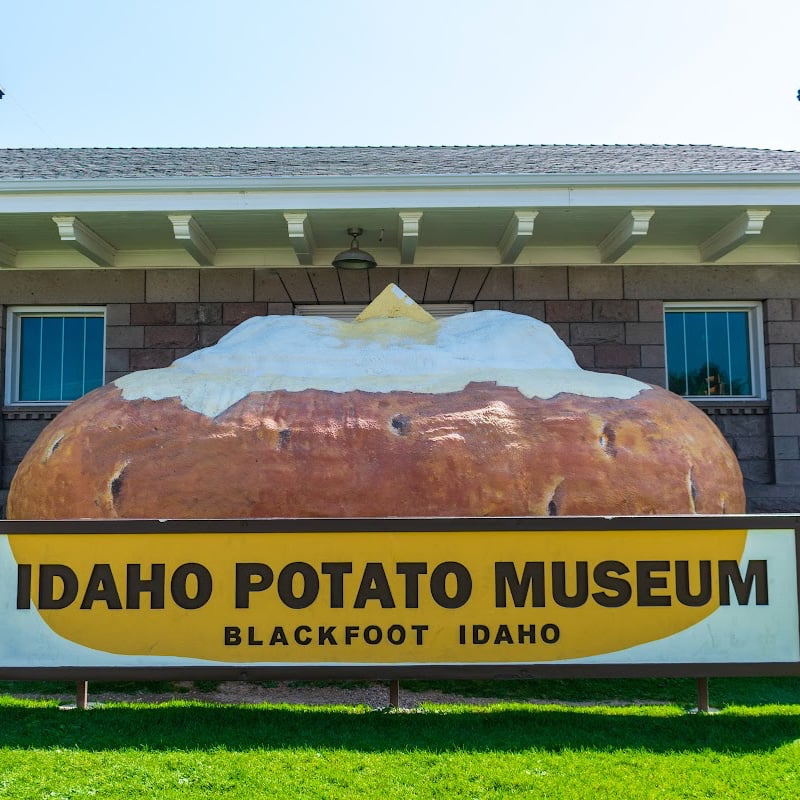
(255, 162)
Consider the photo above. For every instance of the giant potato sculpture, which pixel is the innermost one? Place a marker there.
(483, 414)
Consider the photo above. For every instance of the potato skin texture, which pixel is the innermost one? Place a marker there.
(486, 450)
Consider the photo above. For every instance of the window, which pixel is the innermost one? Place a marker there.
(714, 350)
(53, 355)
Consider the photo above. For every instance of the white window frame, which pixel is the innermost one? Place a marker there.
(755, 325)
(14, 316)
(349, 311)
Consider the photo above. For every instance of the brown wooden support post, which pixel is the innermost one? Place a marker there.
(394, 694)
(82, 694)
(702, 695)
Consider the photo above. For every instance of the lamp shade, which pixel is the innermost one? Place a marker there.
(354, 257)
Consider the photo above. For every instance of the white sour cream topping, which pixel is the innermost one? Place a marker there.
(377, 355)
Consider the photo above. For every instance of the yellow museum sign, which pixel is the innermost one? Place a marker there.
(398, 592)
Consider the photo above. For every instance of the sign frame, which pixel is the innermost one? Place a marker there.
(440, 525)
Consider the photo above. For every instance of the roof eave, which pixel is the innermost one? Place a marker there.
(406, 181)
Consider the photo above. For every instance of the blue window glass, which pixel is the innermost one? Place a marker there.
(60, 357)
(708, 353)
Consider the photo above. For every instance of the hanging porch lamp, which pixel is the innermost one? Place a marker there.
(354, 258)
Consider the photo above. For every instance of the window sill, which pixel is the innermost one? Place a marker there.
(33, 412)
(723, 407)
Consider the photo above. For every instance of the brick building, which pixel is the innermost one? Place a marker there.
(677, 265)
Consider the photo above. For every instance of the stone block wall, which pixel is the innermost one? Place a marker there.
(610, 316)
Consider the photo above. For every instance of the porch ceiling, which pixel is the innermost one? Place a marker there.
(446, 234)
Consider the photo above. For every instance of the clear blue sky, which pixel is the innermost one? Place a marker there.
(367, 72)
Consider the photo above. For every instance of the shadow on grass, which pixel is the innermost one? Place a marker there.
(238, 728)
(748, 691)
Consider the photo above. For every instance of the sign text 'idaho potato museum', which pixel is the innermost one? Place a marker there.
(399, 596)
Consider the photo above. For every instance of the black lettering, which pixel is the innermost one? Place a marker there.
(278, 636)
(286, 585)
(507, 580)
(251, 577)
(550, 633)
(480, 634)
(396, 634)
(101, 588)
(251, 637)
(503, 635)
(730, 576)
(419, 630)
(646, 582)
(683, 589)
(373, 634)
(606, 576)
(412, 570)
(337, 570)
(23, 586)
(178, 585)
(463, 588)
(462, 634)
(526, 632)
(69, 586)
(374, 586)
(233, 636)
(350, 633)
(135, 585)
(306, 631)
(326, 635)
(559, 577)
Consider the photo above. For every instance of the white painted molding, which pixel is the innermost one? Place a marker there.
(409, 235)
(301, 237)
(748, 223)
(632, 227)
(185, 185)
(8, 256)
(517, 234)
(193, 239)
(174, 196)
(85, 241)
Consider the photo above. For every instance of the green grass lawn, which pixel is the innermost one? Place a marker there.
(196, 750)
